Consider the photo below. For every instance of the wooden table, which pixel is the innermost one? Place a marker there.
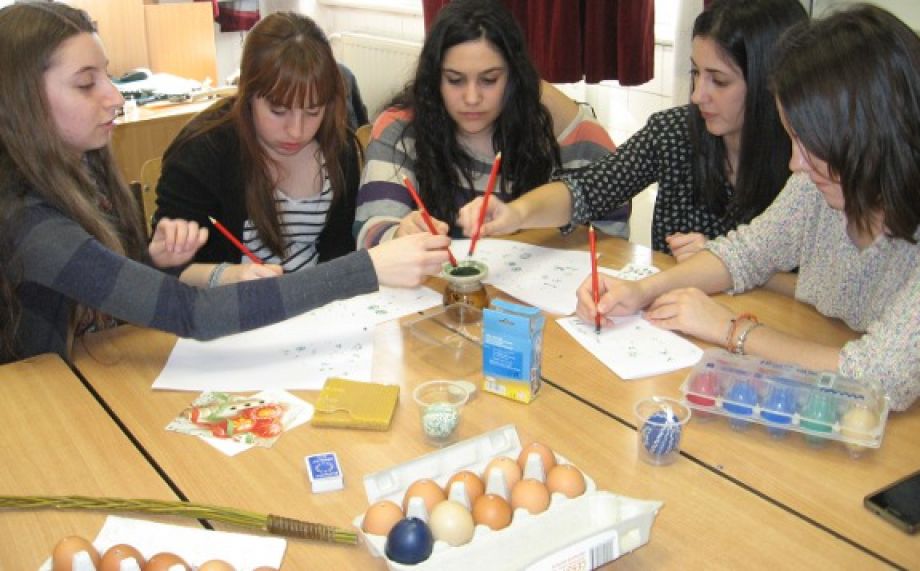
(707, 520)
(57, 440)
(824, 486)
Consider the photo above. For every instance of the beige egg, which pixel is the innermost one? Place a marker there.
(164, 561)
(472, 483)
(531, 495)
(545, 452)
(216, 565)
(428, 490)
(452, 523)
(380, 518)
(509, 468)
(492, 511)
(62, 556)
(112, 558)
(567, 480)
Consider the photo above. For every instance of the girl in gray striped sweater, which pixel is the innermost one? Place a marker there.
(71, 251)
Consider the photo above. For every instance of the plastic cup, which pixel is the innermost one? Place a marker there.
(662, 421)
(439, 405)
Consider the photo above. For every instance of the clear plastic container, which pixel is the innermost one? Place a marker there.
(578, 533)
(822, 406)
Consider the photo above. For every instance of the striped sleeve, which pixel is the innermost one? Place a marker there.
(57, 258)
(382, 199)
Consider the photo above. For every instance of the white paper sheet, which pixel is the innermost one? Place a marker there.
(335, 340)
(634, 348)
(193, 544)
(543, 277)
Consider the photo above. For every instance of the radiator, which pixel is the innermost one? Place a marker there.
(382, 65)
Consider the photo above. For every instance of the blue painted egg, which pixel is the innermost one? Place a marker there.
(660, 436)
(409, 542)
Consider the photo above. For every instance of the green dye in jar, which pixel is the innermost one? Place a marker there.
(464, 271)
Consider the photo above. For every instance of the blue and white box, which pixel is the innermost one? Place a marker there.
(512, 350)
(325, 474)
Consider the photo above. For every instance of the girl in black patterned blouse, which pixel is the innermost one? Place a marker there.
(718, 162)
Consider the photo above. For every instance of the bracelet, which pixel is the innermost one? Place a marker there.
(216, 273)
(739, 345)
(729, 346)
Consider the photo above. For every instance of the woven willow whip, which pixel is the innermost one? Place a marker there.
(272, 524)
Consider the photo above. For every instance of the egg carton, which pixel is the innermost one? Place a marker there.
(583, 532)
(823, 406)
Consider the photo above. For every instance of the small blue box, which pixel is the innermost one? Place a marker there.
(512, 350)
(325, 474)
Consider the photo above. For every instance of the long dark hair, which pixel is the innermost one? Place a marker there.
(849, 86)
(288, 61)
(34, 159)
(746, 31)
(523, 131)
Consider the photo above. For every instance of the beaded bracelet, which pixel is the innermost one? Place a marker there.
(739, 345)
(216, 273)
(729, 346)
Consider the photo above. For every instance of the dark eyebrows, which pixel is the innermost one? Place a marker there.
(484, 72)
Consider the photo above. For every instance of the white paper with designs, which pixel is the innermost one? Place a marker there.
(335, 340)
(543, 277)
(634, 348)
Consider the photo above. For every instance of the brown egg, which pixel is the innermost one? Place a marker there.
(545, 452)
(472, 483)
(492, 511)
(62, 556)
(380, 518)
(531, 495)
(509, 468)
(111, 560)
(265, 568)
(567, 480)
(163, 561)
(428, 490)
(216, 565)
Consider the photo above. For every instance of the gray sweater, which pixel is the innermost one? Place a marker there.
(59, 265)
(875, 290)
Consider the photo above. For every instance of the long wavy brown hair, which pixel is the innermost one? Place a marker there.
(288, 61)
(34, 160)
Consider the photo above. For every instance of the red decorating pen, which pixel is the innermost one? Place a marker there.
(220, 227)
(595, 290)
(490, 186)
(425, 216)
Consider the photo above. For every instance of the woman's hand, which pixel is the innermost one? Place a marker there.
(617, 298)
(408, 261)
(175, 242)
(691, 311)
(501, 218)
(414, 223)
(685, 245)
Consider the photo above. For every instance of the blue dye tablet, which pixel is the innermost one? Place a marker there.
(738, 397)
(779, 406)
(660, 436)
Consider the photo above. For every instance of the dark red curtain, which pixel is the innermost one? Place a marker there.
(594, 40)
(235, 15)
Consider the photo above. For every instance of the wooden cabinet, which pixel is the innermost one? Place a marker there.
(121, 27)
(176, 38)
(180, 39)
